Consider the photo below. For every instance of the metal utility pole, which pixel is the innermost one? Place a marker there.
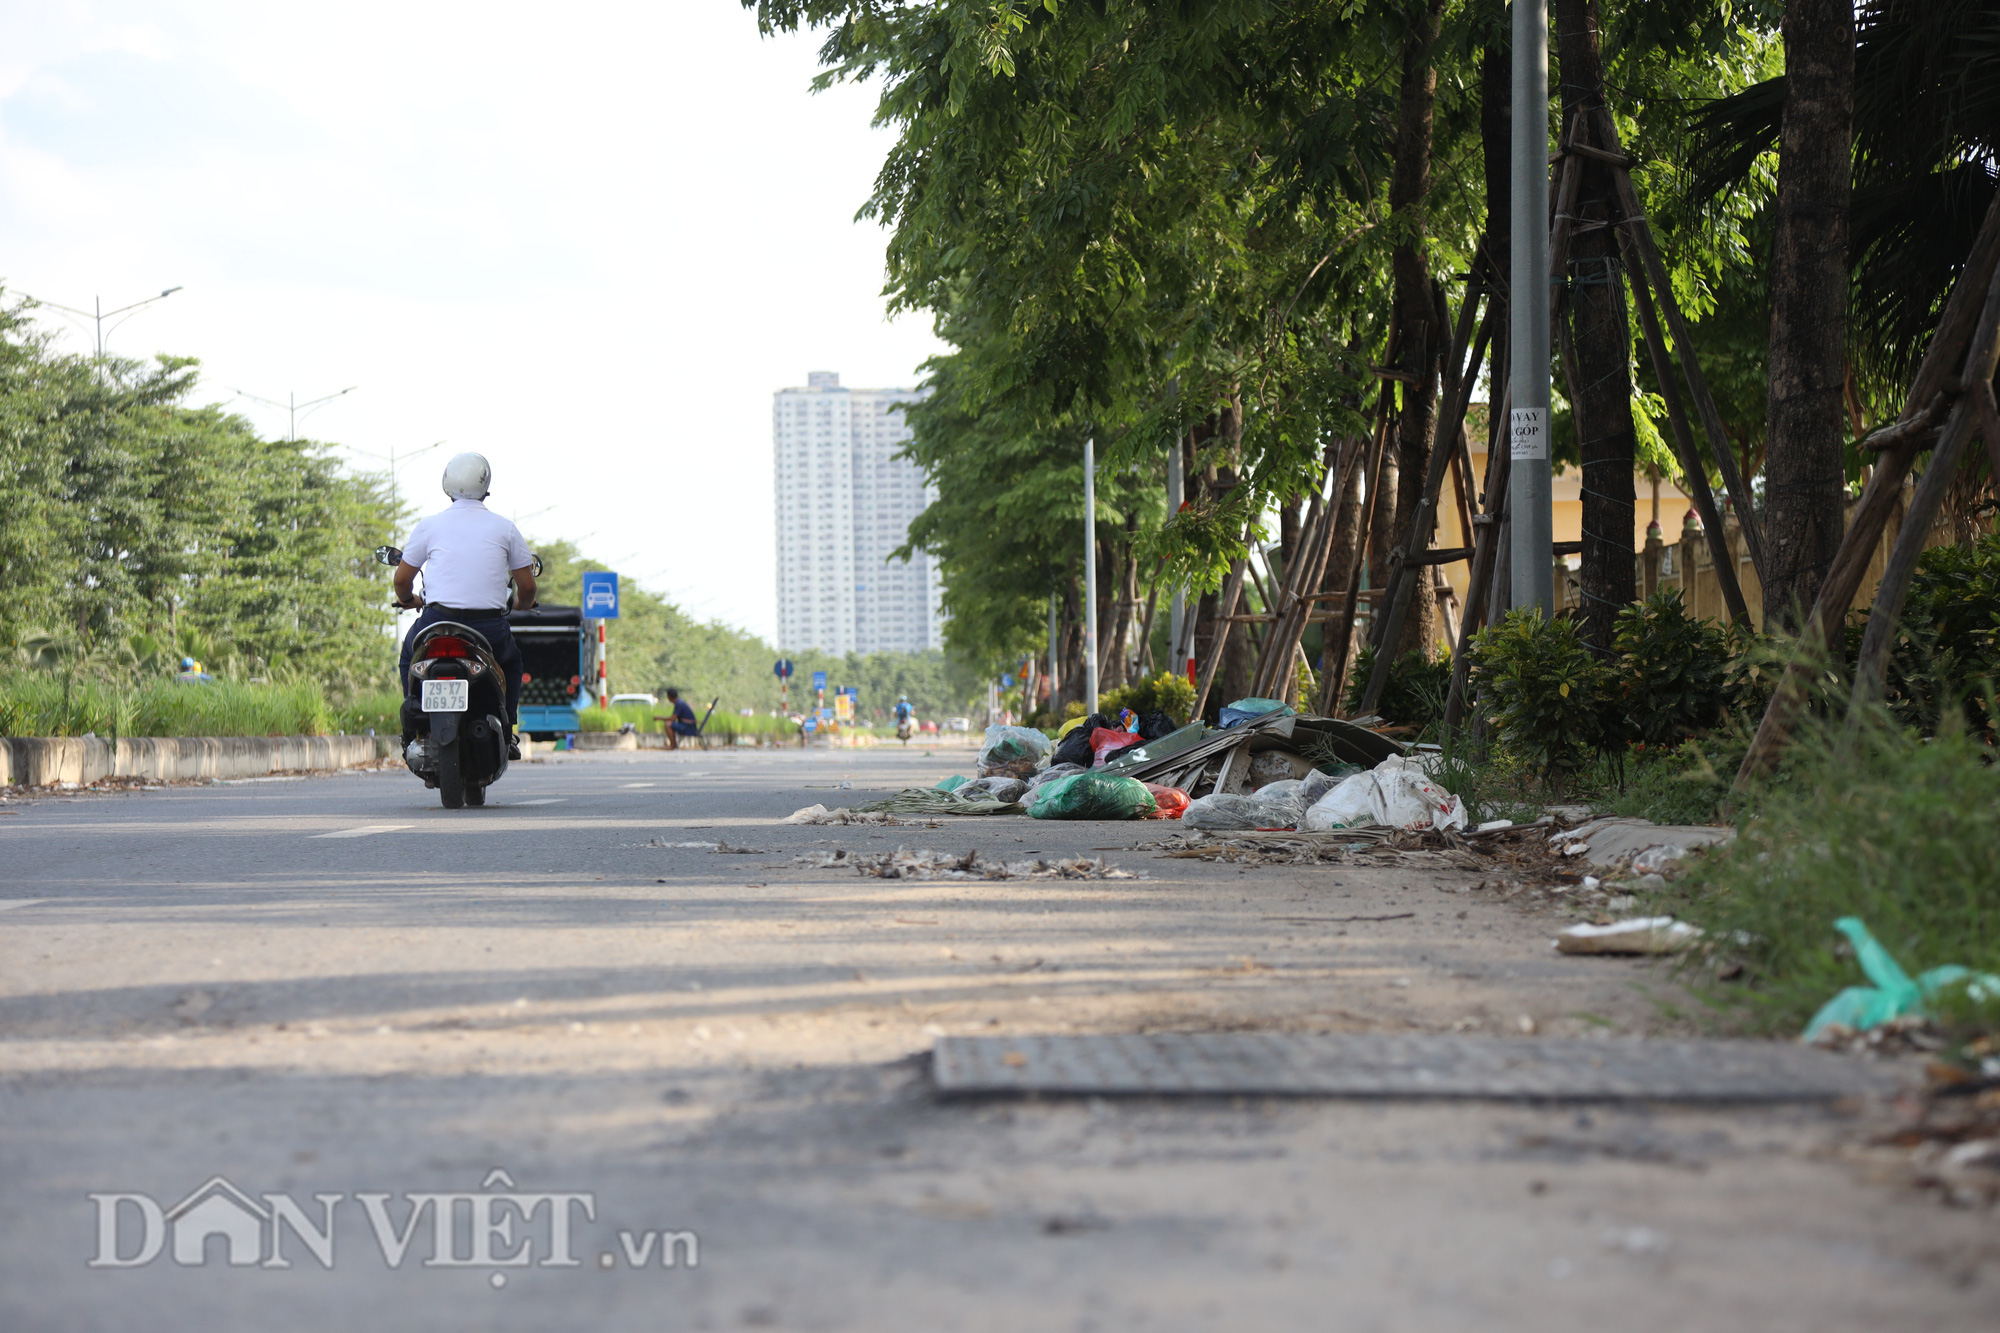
(1090, 576)
(1530, 517)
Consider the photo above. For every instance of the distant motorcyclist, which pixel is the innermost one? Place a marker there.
(466, 554)
(905, 718)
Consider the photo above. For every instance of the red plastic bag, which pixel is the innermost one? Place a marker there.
(1103, 740)
(1168, 802)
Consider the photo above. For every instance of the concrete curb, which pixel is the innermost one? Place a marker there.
(42, 761)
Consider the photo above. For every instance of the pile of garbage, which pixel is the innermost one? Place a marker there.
(1265, 767)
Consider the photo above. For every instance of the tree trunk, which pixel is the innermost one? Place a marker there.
(1603, 342)
(1804, 479)
(1421, 336)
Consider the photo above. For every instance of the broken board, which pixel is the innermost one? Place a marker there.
(1391, 1065)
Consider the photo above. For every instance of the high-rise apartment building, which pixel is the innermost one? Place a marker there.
(844, 502)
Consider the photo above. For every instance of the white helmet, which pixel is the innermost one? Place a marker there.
(468, 477)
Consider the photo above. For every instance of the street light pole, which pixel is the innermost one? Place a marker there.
(292, 406)
(97, 314)
(395, 491)
(1531, 519)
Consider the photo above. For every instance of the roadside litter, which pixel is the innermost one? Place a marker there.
(987, 796)
(819, 814)
(1395, 793)
(1894, 994)
(926, 864)
(1092, 796)
(1012, 752)
(1639, 935)
(1221, 812)
(1648, 848)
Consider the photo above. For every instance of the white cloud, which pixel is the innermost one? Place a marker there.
(587, 241)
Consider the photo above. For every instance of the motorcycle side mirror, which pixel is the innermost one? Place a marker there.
(388, 555)
(535, 563)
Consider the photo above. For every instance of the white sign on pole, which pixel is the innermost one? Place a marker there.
(1530, 435)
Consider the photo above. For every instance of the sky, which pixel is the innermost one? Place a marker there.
(587, 241)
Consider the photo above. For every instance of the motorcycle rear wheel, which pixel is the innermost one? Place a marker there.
(451, 778)
(475, 794)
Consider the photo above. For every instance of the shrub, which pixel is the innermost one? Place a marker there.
(1550, 702)
(1899, 830)
(1413, 695)
(1947, 649)
(1673, 670)
(1168, 692)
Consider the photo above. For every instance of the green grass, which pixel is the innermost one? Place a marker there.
(1899, 830)
(46, 703)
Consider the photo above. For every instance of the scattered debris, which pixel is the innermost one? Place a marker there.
(1638, 935)
(1616, 841)
(819, 814)
(926, 864)
(971, 798)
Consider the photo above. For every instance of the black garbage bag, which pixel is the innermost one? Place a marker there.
(1075, 747)
(1155, 724)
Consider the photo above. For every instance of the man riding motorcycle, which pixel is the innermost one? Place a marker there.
(905, 718)
(466, 554)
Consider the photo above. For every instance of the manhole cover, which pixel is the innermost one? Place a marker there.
(1382, 1065)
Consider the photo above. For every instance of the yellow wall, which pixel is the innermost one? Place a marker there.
(1566, 492)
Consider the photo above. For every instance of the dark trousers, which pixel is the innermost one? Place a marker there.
(493, 628)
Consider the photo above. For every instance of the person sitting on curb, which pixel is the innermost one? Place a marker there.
(682, 723)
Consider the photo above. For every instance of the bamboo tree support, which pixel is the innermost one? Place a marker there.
(1656, 273)
(1407, 559)
(1225, 608)
(1333, 682)
(1306, 571)
(1971, 414)
(1485, 557)
(1899, 444)
(1694, 477)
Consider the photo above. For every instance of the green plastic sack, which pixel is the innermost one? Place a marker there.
(1894, 993)
(952, 783)
(1091, 796)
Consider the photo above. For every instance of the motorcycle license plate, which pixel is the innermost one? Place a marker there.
(447, 696)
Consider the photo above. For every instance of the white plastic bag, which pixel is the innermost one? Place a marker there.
(1395, 793)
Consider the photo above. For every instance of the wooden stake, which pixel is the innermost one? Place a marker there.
(1711, 417)
(1694, 474)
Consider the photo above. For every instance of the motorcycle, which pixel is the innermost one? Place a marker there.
(454, 708)
(905, 728)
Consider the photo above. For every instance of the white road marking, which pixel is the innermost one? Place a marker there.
(6, 903)
(542, 800)
(364, 831)
(639, 784)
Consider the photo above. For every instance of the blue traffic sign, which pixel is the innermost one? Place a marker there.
(783, 670)
(819, 680)
(600, 596)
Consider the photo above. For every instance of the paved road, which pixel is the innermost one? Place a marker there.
(352, 1005)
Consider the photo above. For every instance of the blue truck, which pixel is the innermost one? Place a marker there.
(559, 665)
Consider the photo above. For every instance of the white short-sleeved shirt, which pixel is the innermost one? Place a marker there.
(466, 554)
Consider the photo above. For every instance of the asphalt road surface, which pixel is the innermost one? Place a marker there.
(604, 1056)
